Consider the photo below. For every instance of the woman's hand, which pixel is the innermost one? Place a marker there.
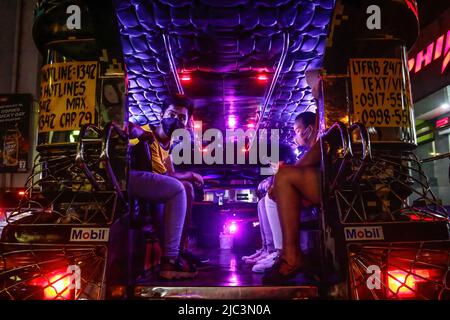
(197, 179)
(271, 193)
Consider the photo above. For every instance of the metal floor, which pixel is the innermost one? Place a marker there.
(225, 277)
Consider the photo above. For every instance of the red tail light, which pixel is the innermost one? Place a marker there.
(55, 285)
(406, 270)
(404, 284)
(44, 273)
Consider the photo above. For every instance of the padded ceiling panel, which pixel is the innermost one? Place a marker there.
(223, 44)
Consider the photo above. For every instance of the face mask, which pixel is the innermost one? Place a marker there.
(169, 125)
(307, 136)
(297, 140)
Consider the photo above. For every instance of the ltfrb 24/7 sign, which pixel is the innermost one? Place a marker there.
(381, 92)
(67, 96)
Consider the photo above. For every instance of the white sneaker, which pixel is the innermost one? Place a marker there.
(265, 263)
(263, 255)
(253, 256)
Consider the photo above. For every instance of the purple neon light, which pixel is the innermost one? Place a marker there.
(233, 228)
(230, 227)
(232, 122)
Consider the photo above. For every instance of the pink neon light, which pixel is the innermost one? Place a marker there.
(411, 64)
(445, 62)
(424, 58)
(446, 53)
(438, 48)
(441, 122)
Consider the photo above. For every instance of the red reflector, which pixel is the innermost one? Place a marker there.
(55, 285)
(420, 218)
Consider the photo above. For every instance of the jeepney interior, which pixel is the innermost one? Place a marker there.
(244, 67)
(244, 64)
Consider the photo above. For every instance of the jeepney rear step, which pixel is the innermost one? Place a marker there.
(227, 293)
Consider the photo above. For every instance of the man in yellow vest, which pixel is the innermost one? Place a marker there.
(165, 185)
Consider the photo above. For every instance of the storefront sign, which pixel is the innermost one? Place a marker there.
(67, 99)
(15, 132)
(437, 50)
(442, 122)
(380, 95)
(429, 59)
